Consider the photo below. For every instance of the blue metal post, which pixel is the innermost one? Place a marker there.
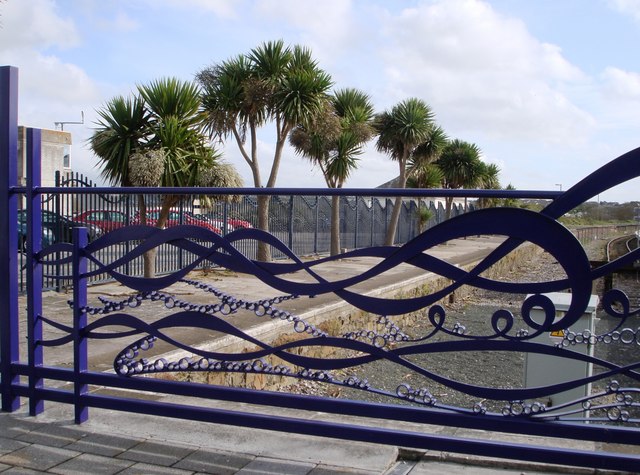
(80, 356)
(9, 337)
(58, 231)
(34, 268)
(180, 253)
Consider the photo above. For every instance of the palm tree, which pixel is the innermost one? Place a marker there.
(511, 202)
(402, 131)
(428, 175)
(122, 127)
(271, 84)
(155, 139)
(333, 141)
(461, 167)
(489, 180)
(421, 171)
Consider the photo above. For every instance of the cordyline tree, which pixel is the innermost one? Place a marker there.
(333, 140)
(155, 138)
(272, 84)
(461, 168)
(489, 180)
(407, 133)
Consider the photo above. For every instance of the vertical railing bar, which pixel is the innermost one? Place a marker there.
(315, 234)
(9, 318)
(373, 220)
(80, 356)
(56, 202)
(225, 217)
(356, 226)
(180, 263)
(291, 222)
(127, 207)
(34, 268)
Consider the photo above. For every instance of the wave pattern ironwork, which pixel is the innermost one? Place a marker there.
(513, 332)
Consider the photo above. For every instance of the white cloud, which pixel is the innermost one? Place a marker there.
(221, 8)
(323, 26)
(50, 89)
(627, 7)
(482, 71)
(34, 24)
(621, 85)
(124, 22)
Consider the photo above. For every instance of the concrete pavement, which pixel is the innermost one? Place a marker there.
(118, 442)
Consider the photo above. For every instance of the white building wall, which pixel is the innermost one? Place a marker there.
(55, 155)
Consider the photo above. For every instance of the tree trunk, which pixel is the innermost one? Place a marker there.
(393, 224)
(149, 263)
(335, 225)
(149, 257)
(448, 205)
(264, 250)
(395, 216)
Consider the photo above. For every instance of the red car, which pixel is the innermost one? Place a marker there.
(235, 223)
(176, 218)
(107, 220)
(239, 223)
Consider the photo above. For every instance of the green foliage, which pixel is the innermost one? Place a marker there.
(123, 126)
(461, 165)
(164, 117)
(402, 129)
(424, 215)
(426, 176)
(511, 202)
(489, 180)
(333, 138)
(273, 82)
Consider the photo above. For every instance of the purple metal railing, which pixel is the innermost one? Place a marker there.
(390, 342)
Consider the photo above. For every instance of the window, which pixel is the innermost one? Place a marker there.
(66, 158)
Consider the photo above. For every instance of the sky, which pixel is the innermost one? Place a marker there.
(549, 90)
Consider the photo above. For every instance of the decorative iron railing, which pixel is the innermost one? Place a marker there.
(329, 355)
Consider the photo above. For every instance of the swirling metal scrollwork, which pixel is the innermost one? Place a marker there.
(509, 331)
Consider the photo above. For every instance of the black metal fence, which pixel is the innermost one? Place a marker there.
(303, 223)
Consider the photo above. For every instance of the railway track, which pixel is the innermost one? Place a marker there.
(627, 278)
(620, 246)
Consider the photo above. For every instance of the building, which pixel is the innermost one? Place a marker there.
(55, 151)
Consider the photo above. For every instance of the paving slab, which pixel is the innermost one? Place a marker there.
(38, 457)
(216, 461)
(157, 453)
(106, 445)
(268, 466)
(148, 469)
(93, 464)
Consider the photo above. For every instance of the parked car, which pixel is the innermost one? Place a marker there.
(47, 237)
(235, 223)
(107, 220)
(217, 223)
(239, 223)
(176, 218)
(61, 226)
